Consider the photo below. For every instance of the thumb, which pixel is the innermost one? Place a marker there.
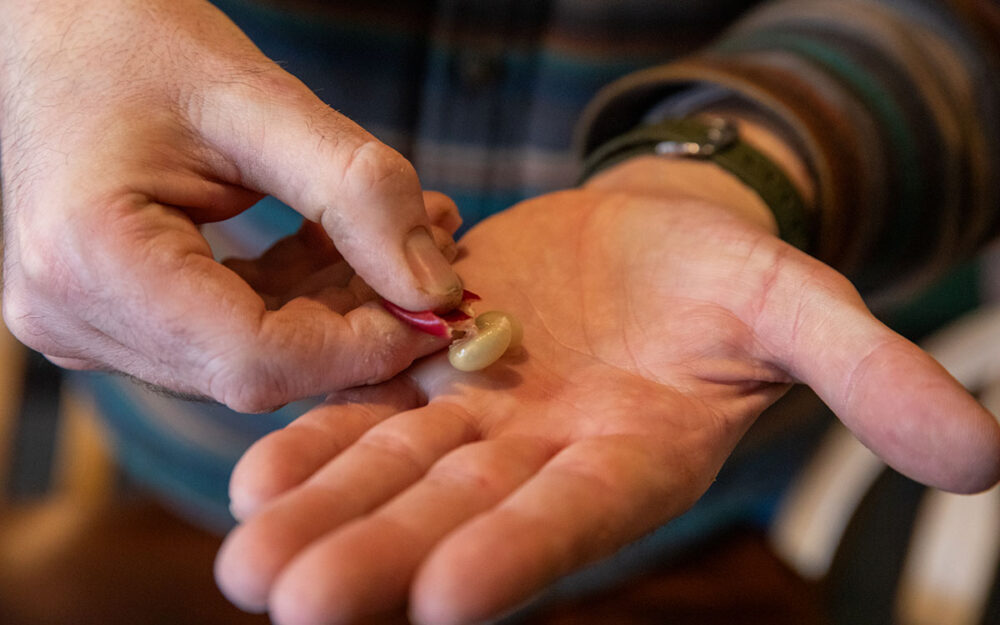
(285, 142)
(896, 399)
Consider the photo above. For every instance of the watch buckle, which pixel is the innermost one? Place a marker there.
(720, 134)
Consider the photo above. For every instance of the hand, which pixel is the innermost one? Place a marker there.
(655, 330)
(124, 126)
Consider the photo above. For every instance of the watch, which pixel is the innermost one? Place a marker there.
(715, 139)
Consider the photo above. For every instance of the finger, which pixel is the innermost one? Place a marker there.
(296, 266)
(588, 501)
(292, 260)
(202, 330)
(365, 568)
(315, 239)
(445, 220)
(340, 275)
(366, 195)
(286, 457)
(387, 459)
(360, 290)
(278, 285)
(334, 277)
(444, 242)
(442, 211)
(895, 398)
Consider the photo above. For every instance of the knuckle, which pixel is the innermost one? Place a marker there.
(29, 282)
(373, 167)
(244, 383)
(271, 80)
(253, 79)
(21, 319)
(39, 265)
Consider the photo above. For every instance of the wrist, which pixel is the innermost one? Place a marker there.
(672, 178)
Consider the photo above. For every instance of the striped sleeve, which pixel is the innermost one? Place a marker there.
(894, 106)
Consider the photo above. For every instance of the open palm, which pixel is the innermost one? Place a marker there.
(656, 330)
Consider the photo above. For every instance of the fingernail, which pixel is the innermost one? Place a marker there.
(429, 266)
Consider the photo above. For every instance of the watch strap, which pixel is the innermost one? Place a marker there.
(717, 141)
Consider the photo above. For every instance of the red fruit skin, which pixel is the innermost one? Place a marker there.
(430, 322)
(455, 316)
(424, 320)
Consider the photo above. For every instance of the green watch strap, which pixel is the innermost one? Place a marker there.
(718, 142)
